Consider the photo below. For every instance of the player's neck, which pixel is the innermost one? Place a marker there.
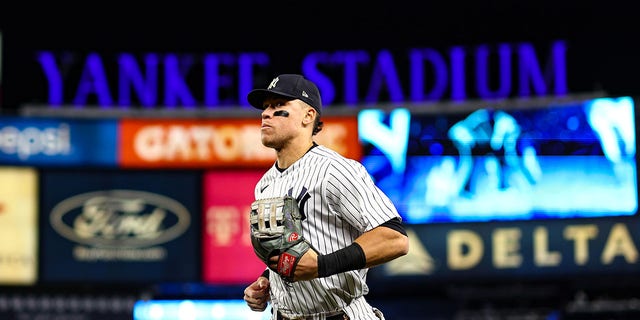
(292, 153)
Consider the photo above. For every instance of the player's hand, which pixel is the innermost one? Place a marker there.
(257, 294)
(306, 269)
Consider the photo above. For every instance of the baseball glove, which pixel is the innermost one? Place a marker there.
(276, 231)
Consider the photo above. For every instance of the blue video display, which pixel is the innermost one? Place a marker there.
(572, 160)
(196, 310)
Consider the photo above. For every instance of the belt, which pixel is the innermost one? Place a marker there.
(339, 316)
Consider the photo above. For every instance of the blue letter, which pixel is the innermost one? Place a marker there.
(559, 67)
(175, 86)
(458, 88)
(417, 74)
(384, 71)
(130, 75)
(351, 61)
(529, 68)
(310, 70)
(94, 80)
(213, 79)
(48, 62)
(246, 61)
(482, 74)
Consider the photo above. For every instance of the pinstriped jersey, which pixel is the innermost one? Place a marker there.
(338, 201)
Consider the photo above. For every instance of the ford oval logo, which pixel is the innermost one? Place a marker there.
(120, 218)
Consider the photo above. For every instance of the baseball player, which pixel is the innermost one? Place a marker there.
(318, 221)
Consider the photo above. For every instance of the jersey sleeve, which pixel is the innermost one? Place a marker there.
(352, 194)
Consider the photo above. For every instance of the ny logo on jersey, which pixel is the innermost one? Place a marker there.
(301, 199)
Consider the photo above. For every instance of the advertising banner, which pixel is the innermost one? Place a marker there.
(191, 143)
(555, 161)
(120, 227)
(228, 256)
(18, 225)
(58, 142)
(524, 249)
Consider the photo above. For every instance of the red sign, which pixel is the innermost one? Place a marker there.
(228, 256)
(210, 143)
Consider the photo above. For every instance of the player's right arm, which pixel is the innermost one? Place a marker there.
(257, 295)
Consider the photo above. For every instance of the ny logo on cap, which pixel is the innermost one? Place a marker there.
(273, 83)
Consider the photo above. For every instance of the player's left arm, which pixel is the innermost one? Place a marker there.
(374, 247)
(384, 243)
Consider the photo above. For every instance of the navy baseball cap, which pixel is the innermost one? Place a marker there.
(292, 86)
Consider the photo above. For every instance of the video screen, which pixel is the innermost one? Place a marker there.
(230, 309)
(557, 161)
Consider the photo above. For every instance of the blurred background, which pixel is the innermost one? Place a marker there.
(504, 132)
